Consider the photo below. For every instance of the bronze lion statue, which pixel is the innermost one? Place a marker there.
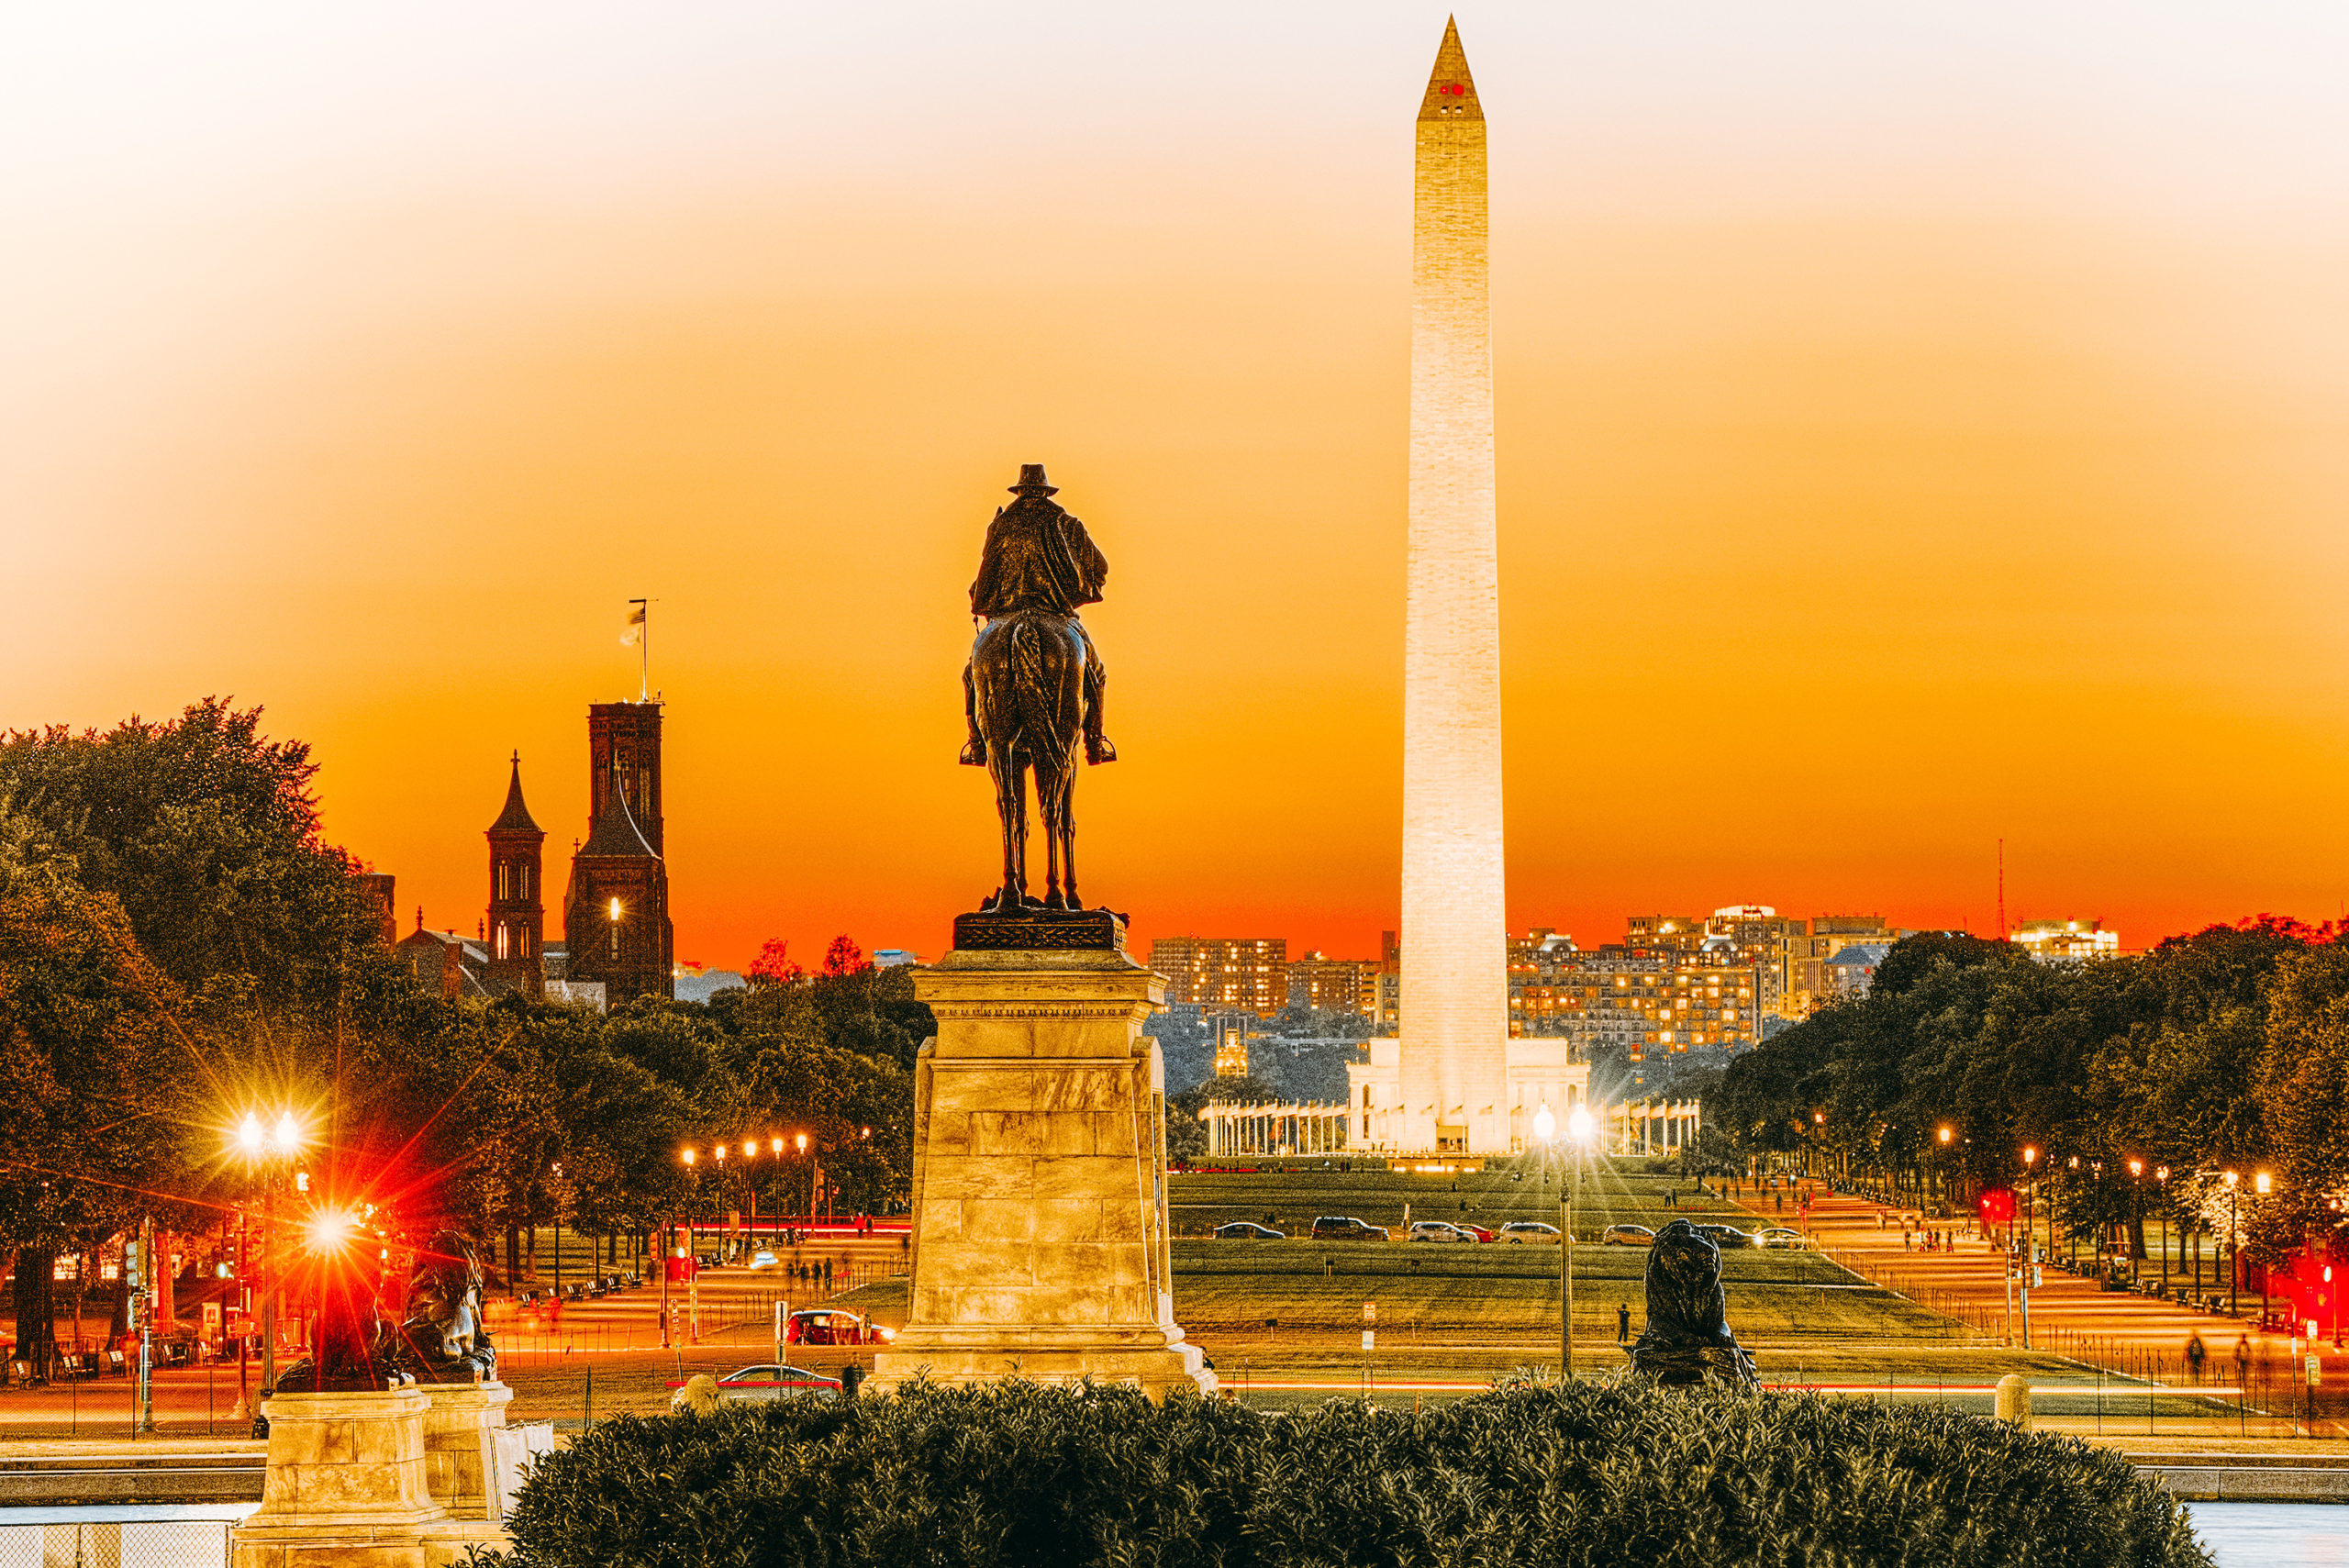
(1687, 1336)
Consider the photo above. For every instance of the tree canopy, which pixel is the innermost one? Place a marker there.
(2224, 1050)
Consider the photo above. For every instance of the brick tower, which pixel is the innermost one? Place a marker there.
(616, 924)
(517, 925)
(624, 741)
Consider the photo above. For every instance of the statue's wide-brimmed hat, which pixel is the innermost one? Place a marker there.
(1031, 481)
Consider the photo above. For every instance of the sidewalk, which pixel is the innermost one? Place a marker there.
(2133, 1336)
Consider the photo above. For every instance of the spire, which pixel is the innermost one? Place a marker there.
(516, 818)
(615, 832)
(1452, 91)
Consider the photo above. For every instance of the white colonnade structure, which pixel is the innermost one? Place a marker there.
(1309, 1128)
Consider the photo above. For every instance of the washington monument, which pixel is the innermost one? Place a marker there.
(1455, 1022)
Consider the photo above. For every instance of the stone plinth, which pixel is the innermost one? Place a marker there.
(473, 1463)
(1040, 1232)
(345, 1485)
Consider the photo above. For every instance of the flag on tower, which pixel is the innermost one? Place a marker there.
(634, 632)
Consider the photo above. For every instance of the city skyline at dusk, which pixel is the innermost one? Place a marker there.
(1913, 432)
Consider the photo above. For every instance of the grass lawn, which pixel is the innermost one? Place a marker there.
(1293, 1307)
(1612, 1192)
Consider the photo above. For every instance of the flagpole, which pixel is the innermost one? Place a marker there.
(643, 649)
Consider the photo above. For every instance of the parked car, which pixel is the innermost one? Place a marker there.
(1779, 1236)
(707, 1259)
(834, 1326)
(770, 1382)
(1249, 1230)
(1476, 1232)
(1627, 1236)
(1725, 1236)
(1438, 1230)
(1530, 1231)
(1344, 1228)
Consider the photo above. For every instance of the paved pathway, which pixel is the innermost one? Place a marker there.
(2133, 1334)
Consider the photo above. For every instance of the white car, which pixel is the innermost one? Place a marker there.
(1779, 1236)
(1437, 1231)
(756, 1383)
(1530, 1231)
(763, 1259)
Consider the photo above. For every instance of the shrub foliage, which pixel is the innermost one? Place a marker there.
(1020, 1476)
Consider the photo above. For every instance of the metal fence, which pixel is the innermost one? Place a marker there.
(126, 1537)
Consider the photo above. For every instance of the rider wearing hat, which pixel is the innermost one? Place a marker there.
(1037, 557)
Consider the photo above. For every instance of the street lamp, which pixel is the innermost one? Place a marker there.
(261, 1145)
(2030, 1202)
(2161, 1179)
(1579, 1127)
(2262, 1182)
(2136, 1169)
(2235, 1243)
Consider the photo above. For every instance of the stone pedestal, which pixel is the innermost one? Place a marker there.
(1039, 1230)
(473, 1463)
(400, 1478)
(345, 1485)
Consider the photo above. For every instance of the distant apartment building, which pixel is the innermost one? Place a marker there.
(1808, 982)
(2066, 941)
(1637, 1001)
(1389, 1016)
(1768, 941)
(1334, 985)
(1664, 932)
(1222, 973)
(1852, 972)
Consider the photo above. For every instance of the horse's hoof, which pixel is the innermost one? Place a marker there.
(1098, 751)
(975, 754)
(1055, 901)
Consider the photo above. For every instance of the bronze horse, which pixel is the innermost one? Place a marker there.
(1028, 691)
(1033, 687)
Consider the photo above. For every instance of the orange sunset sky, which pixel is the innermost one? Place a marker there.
(1919, 425)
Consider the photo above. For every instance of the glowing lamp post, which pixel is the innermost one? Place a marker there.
(2235, 1243)
(2263, 1184)
(1578, 1130)
(2030, 1204)
(263, 1146)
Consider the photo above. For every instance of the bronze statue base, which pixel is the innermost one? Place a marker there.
(1040, 931)
(1684, 1366)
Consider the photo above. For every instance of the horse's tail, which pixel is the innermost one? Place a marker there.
(1026, 655)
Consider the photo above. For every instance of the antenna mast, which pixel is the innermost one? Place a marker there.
(2002, 890)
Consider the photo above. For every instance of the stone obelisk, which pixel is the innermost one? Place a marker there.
(1454, 1023)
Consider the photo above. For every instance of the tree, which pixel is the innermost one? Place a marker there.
(98, 1065)
(773, 965)
(844, 958)
(208, 833)
(2302, 1087)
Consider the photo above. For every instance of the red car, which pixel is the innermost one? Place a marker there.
(1478, 1231)
(831, 1326)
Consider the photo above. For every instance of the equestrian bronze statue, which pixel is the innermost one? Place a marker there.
(1034, 682)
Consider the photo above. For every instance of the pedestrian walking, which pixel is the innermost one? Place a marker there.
(2242, 1362)
(1622, 1321)
(2195, 1351)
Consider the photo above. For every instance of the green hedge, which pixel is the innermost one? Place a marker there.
(1025, 1476)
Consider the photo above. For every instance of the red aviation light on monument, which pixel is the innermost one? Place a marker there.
(1997, 1206)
